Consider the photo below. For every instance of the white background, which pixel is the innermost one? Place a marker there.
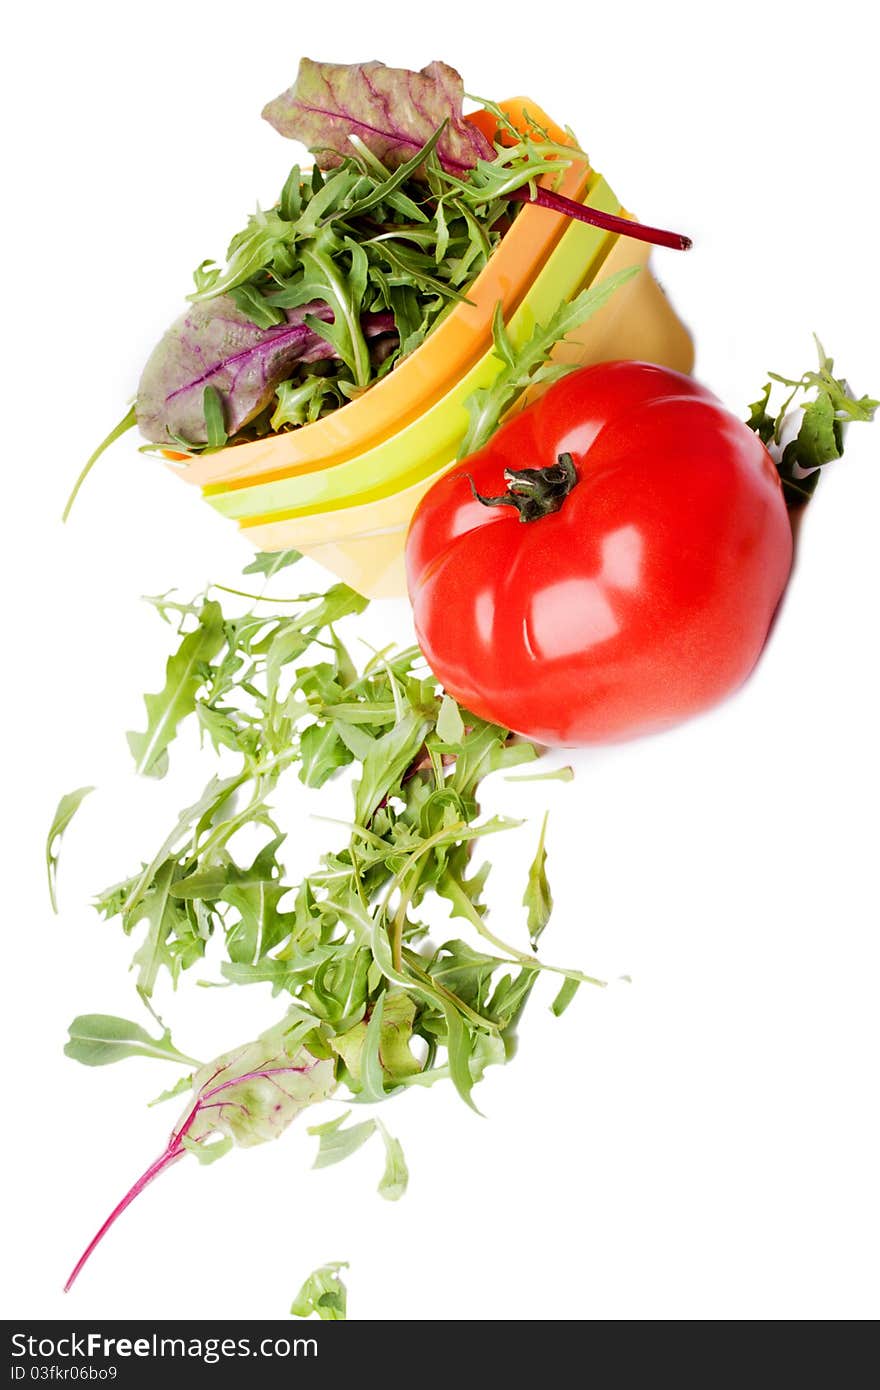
(701, 1143)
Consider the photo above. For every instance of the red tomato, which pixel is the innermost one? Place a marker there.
(645, 598)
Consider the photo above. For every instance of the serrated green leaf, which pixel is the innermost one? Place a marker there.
(255, 893)
(760, 420)
(184, 675)
(220, 726)
(163, 914)
(64, 813)
(386, 762)
(178, 1089)
(820, 436)
(270, 562)
(521, 367)
(322, 752)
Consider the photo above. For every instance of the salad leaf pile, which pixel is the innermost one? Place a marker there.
(360, 258)
(368, 1002)
(322, 294)
(802, 440)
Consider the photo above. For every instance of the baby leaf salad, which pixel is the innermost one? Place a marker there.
(321, 297)
(363, 254)
(367, 1002)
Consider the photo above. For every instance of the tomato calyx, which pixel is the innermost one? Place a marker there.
(535, 492)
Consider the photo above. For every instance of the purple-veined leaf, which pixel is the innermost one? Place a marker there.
(394, 111)
(214, 344)
(243, 1097)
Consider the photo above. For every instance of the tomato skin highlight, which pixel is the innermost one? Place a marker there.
(644, 600)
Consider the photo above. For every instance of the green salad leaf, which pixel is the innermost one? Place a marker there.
(98, 1039)
(321, 295)
(531, 365)
(367, 1002)
(184, 675)
(323, 1294)
(64, 813)
(336, 1142)
(537, 898)
(827, 406)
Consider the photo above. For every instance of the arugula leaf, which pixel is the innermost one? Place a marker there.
(322, 294)
(323, 1294)
(96, 1040)
(760, 420)
(185, 673)
(336, 1143)
(565, 996)
(215, 425)
(820, 434)
(254, 894)
(460, 1046)
(537, 897)
(529, 365)
(127, 423)
(450, 725)
(166, 919)
(372, 1075)
(387, 761)
(323, 752)
(395, 1178)
(373, 1006)
(270, 562)
(64, 813)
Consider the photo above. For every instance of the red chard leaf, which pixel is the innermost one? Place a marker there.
(214, 344)
(392, 110)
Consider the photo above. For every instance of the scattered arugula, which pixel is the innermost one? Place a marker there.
(819, 436)
(64, 813)
(337, 1143)
(371, 1004)
(537, 898)
(323, 1294)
